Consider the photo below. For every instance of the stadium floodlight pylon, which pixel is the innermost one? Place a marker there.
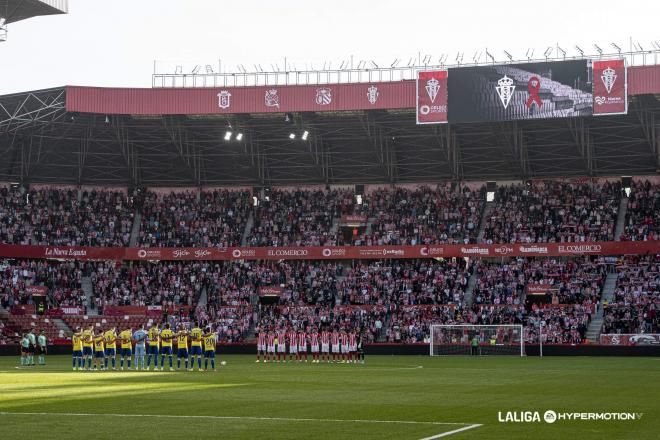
(457, 339)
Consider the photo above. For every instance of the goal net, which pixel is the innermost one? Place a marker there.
(477, 340)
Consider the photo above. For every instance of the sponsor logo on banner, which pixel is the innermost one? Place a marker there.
(65, 252)
(610, 87)
(245, 252)
(224, 99)
(202, 253)
(579, 249)
(287, 252)
(72, 310)
(372, 94)
(432, 97)
(353, 218)
(323, 96)
(381, 252)
(180, 253)
(430, 251)
(475, 251)
(534, 249)
(503, 250)
(334, 252)
(272, 99)
(271, 290)
(505, 89)
(36, 290)
(151, 254)
(538, 289)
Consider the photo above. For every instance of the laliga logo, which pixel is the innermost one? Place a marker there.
(550, 416)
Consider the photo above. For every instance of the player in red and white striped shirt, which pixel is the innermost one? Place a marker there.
(352, 346)
(281, 345)
(293, 347)
(335, 346)
(261, 346)
(325, 346)
(270, 341)
(302, 345)
(344, 347)
(314, 339)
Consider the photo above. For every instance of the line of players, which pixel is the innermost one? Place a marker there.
(101, 348)
(342, 346)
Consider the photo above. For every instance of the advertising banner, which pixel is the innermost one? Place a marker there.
(538, 289)
(271, 290)
(432, 97)
(557, 89)
(630, 339)
(610, 87)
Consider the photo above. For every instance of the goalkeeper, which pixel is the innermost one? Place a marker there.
(475, 345)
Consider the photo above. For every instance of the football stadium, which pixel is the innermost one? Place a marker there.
(453, 248)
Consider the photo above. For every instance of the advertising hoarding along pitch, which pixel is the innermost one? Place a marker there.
(520, 91)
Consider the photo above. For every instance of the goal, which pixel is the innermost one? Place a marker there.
(490, 340)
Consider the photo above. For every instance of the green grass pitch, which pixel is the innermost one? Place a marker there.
(390, 397)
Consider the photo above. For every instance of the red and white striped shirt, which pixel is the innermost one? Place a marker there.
(335, 338)
(271, 339)
(315, 339)
(262, 339)
(344, 340)
(293, 337)
(281, 339)
(302, 340)
(325, 338)
(352, 340)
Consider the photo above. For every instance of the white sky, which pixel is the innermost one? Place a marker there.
(115, 43)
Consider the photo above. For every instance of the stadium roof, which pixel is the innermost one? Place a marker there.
(17, 10)
(42, 142)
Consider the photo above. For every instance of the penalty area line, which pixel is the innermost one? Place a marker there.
(282, 419)
(455, 431)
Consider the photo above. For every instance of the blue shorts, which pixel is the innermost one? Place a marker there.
(87, 351)
(126, 352)
(166, 350)
(77, 353)
(209, 354)
(153, 349)
(182, 353)
(196, 350)
(140, 350)
(110, 352)
(99, 354)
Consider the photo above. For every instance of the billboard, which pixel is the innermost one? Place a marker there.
(432, 95)
(610, 87)
(557, 89)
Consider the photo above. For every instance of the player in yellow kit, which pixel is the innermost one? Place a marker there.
(196, 336)
(166, 339)
(182, 348)
(126, 347)
(99, 352)
(209, 349)
(88, 347)
(154, 343)
(110, 339)
(76, 341)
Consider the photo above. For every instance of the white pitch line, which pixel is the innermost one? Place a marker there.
(455, 431)
(282, 419)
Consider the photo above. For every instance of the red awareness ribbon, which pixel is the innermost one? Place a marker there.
(534, 86)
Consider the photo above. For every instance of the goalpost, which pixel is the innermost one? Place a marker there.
(490, 340)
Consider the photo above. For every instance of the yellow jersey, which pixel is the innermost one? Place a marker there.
(166, 337)
(98, 343)
(182, 341)
(153, 337)
(76, 340)
(209, 342)
(110, 339)
(87, 338)
(125, 337)
(196, 337)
